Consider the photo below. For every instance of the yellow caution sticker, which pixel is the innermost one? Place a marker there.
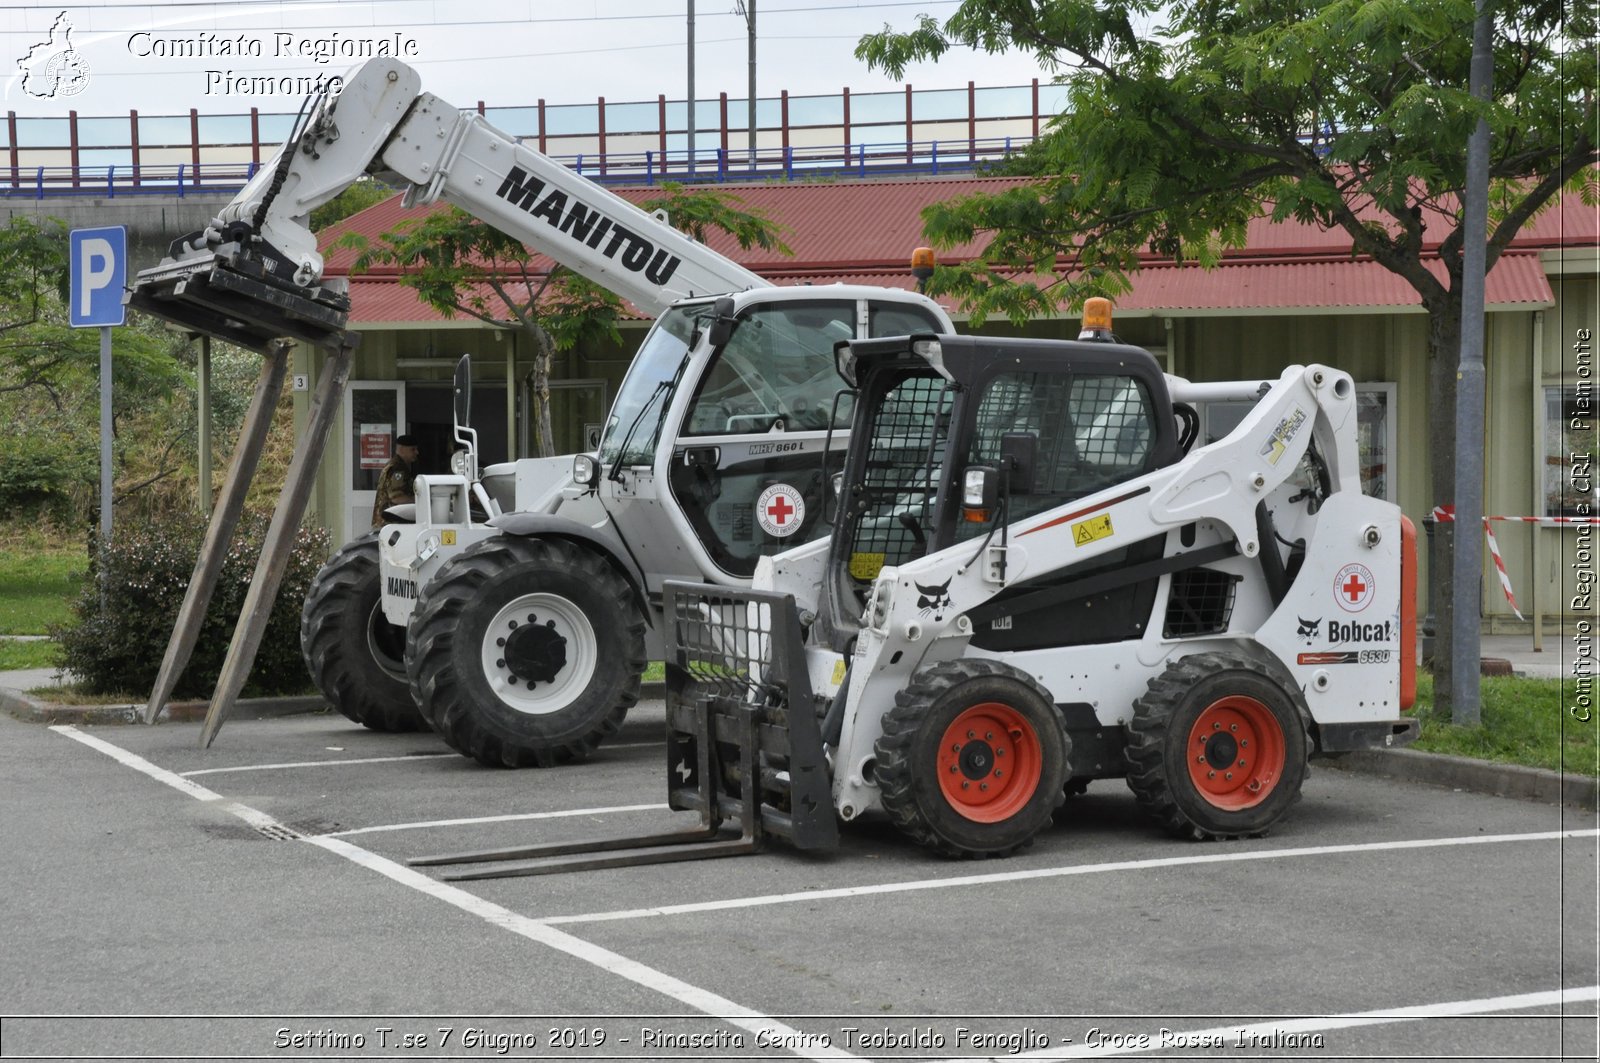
(1087, 531)
(866, 566)
(839, 669)
(447, 537)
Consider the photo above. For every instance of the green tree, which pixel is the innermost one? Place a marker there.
(49, 385)
(1186, 120)
(364, 193)
(460, 265)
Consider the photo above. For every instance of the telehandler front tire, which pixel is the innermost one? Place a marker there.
(1217, 747)
(973, 758)
(355, 656)
(526, 652)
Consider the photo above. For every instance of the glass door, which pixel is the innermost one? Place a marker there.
(375, 413)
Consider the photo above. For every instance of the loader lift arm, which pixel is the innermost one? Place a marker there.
(255, 275)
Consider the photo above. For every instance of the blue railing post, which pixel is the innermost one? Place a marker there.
(861, 154)
(935, 156)
(181, 167)
(39, 179)
(111, 182)
(578, 168)
(649, 167)
(788, 162)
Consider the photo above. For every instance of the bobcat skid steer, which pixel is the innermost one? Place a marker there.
(1036, 578)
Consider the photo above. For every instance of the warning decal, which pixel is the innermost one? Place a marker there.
(1086, 532)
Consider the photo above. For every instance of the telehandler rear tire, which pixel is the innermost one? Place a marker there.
(1217, 747)
(355, 656)
(526, 652)
(973, 758)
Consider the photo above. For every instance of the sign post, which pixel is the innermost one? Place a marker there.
(99, 268)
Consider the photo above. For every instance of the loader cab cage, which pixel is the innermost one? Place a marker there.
(1099, 414)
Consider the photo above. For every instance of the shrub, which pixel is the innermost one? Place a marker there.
(116, 642)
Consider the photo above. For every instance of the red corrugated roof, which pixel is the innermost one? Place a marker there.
(863, 232)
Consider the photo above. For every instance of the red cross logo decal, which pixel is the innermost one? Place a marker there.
(780, 510)
(1354, 588)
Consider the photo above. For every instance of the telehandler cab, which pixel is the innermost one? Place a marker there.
(1036, 578)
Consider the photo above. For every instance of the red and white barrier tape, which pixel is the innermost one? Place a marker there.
(1448, 513)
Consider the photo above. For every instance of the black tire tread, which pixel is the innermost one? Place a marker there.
(383, 705)
(1148, 730)
(431, 638)
(894, 752)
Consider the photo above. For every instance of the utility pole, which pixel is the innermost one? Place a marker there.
(747, 8)
(1468, 569)
(690, 101)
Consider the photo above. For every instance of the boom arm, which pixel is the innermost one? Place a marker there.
(255, 274)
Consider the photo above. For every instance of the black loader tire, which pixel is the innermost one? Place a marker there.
(945, 783)
(1190, 758)
(355, 656)
(583, 651)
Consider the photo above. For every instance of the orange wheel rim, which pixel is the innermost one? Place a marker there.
(1236, 753)
(989, 763)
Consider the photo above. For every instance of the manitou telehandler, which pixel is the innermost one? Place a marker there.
(1036, 578)
(516, 614)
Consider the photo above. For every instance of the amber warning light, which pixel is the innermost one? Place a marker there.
(922, 266)
(1096, 319)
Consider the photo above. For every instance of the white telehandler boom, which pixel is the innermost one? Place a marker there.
(516, 614)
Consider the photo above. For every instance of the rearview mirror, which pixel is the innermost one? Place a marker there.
(722, 321)
(1019, 453)
(463, 391)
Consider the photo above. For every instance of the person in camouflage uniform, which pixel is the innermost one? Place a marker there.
(394, 482)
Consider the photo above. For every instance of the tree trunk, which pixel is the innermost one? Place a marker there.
(1444, 356)
(539, 415)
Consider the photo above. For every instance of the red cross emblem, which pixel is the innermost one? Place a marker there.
(1352, 587)
(781, 510)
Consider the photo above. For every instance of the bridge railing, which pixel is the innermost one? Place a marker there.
(887, 158)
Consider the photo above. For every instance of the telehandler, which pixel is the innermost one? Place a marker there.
(516, 614)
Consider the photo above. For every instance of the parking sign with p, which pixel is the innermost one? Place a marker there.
(99, 272)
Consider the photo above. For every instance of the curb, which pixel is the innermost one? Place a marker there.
(1475, 776)
(32, 710)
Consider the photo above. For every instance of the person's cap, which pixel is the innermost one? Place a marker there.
(405, 441)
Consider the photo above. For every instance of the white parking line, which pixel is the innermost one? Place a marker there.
(491, 819)
(1234, 856)
(1281, 1032)
(315, 764)
(701, 1000)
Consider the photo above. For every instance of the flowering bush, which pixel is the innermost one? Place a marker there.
(124, 618)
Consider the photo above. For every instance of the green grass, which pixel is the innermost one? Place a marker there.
(37, 581)
(1524, 721)
(15, 654)
(655, 672)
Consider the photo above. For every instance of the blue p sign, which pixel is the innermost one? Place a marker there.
(99, 271)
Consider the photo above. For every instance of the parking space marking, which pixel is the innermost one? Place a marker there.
(1061, 872)
(492, 819)
(701, 1000)
(314, 764)
(1262, 1033)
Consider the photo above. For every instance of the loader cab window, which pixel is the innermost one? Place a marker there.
(776, 372)
(1093, 431)
(636, 416)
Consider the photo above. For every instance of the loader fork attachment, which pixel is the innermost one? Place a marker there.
(744, 745)
(240, 294)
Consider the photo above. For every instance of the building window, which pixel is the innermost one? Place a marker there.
(1570, 443)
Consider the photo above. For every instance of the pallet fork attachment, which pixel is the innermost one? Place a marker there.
(744, 747)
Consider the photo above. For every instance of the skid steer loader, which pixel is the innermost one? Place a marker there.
(1036, 578)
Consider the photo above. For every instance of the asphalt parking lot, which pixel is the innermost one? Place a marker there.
(253, 900)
